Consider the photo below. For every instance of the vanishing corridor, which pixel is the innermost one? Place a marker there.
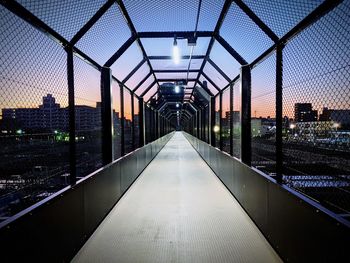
(177, 211)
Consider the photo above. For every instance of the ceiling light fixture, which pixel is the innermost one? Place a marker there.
(176, 52)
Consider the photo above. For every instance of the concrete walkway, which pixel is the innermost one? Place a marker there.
(177, 211)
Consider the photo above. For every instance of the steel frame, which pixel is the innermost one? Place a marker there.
(72, 51)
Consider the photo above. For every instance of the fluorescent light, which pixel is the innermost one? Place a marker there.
(177, 89)
(176, 52)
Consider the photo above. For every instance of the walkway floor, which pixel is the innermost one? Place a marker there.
(177, 211)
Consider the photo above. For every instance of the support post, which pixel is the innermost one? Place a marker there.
(141, 122)
(122, 121)
(107, 116)
(71, 111)
(198, 114)
(133, 122)
(212, 121)
(246, 144)
(220, 121)
(279, 112)
(156, 124)
(231, 119)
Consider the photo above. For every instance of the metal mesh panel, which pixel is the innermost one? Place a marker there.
(281, 16)
(33, 124)
(145, 85)
(136, 121)
(251, 41)
(127, 122)
(181, 75)
(228, 65)
(150, 92)
(215, 76)
(217, 121)
(209, 14)
(158, 15)
(206, 123)
(148, 124)
(127, 62)
(209, 85)
(66, 17)
(263, 122)
(106, 36)
(236, 136)
(164, 46)
(116, 119)
(225, 116)
(169, 64)
(316, 99)
(138, 76)
(87, 118)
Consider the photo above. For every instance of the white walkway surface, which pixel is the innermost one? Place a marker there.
(177, 211)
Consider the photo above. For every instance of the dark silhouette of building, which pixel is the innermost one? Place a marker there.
(342, 117)
(49, 116)
(303, 112)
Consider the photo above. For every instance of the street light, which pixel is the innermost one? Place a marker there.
(177, 89)
(216, 128)
(336, 125)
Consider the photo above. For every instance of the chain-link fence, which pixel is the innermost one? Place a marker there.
(298, 104)
(42, 94)
(295, 98)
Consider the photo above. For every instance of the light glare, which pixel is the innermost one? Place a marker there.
(176, 54)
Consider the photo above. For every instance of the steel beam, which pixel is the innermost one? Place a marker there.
(315, 15)
(206, 89)
(133, 122)
(122, 122)
(71, 112)
(175, 70)
(221, 18)
(141, 122)
(170, 57)
(220, 121)
(257, 20)
(135, 33)
(120, 51)
(91, 22)
(142, 81)
(230, 50)
(231, 119)
(134, 70)
(246, 114)
(212, 82)
(172, 34)
(279, 113)
(107, 116)
(219, 70)
(148, 88)
(174, 79)
(212, 122)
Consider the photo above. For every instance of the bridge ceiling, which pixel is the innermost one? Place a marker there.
(136, 38)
